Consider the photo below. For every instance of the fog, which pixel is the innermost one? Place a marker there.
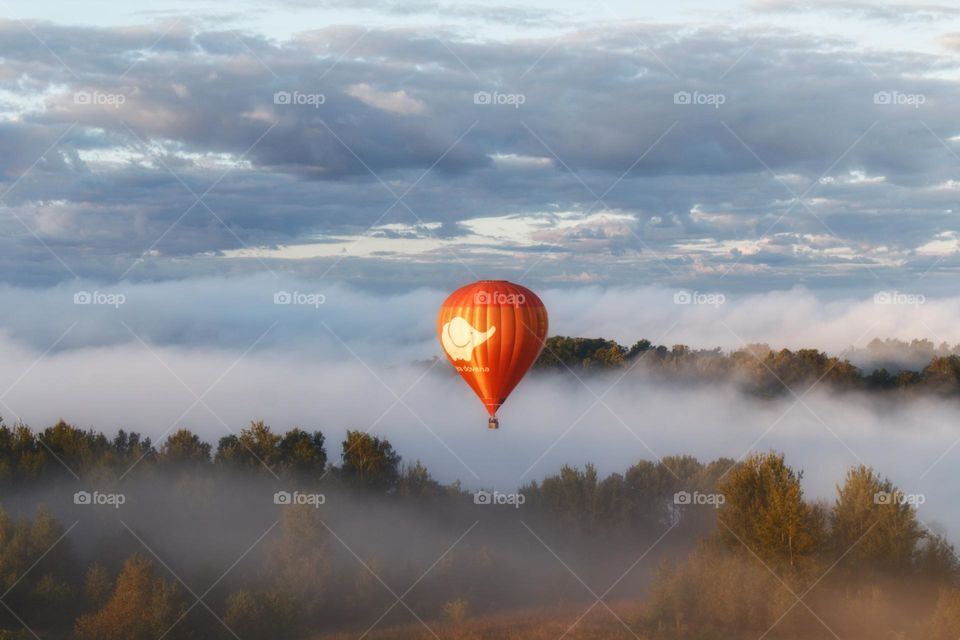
(551, 419)
(397, 326)
(208, 360)
(343, 364)
(359, 551)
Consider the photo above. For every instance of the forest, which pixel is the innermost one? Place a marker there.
(270, 535)
(918, 366)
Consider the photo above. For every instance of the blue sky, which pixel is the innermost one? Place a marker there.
(744, 146)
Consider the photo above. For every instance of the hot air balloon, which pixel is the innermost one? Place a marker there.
(492, 332)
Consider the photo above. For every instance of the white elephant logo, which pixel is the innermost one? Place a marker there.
(459, 338)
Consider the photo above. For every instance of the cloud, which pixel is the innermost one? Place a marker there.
(950, 41)
(505, 14)
(394, 101)
(694, 185)
(883, 11)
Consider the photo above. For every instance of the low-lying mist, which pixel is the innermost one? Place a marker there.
(609, 419)
(354, 366)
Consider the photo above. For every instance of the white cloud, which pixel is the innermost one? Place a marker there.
(394, 101)
(942, 244)
(519, 161)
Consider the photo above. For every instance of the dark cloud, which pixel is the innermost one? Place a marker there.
(285, 150)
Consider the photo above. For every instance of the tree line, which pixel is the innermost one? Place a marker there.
(63, 451)
(761, 370)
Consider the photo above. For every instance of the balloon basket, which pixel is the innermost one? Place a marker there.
(493, 423)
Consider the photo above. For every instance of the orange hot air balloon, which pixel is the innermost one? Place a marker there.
(492, 331)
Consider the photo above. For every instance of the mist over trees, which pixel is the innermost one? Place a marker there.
(780, 566)
(738, 545)
(267, 534)
(762, 371)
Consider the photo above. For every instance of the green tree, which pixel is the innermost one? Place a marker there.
(570, 496)
(369, 461)
(303, 454)
(184, 447)
(942, 375)
(75, 448)
(256, 446)
(937, 561)
(416, 481)
(144, 606)
(35, 565)
(650, 487)
(638, 349)
(764, 510)
(873, 525)
(561, 352)
(132, 446)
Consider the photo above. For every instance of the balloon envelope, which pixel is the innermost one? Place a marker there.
(492, 332)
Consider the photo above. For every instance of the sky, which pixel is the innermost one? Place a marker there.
(170, 170)
(733, 145)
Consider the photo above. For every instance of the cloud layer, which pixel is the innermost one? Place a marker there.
(611, 153)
